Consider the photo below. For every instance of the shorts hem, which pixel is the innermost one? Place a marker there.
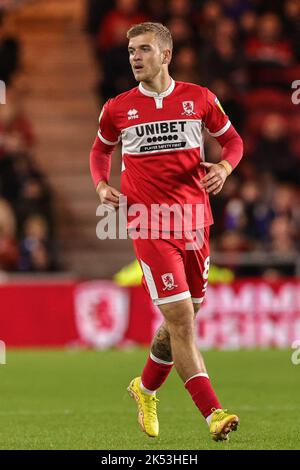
(172, 298)
(197, 300)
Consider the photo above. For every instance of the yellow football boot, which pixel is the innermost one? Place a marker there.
(147, 416)
(222, 423)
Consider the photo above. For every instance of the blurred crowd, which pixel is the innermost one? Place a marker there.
(26, 215)
(248, 53)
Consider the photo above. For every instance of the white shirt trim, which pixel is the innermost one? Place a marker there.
(221, 131)
(154, 94)
(107, 142)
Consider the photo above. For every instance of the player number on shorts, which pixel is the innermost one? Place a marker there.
(206, 268)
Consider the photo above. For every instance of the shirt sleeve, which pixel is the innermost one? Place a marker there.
(108, 133)
(215, 120)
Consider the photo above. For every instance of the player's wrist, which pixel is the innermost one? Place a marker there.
(225, 164)
(100, 185)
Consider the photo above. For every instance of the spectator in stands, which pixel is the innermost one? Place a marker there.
(16, 142)
(156, 9)
(206, 19)
(37, 251)
(272, 150)
(117, 21)
(292, 24)
(112, 47)
(269, 46)
(220, 57)
(35, 198)
(285, 202)
(8, 246)
(268, 51)
(282, 236)
(13, 119)
(180, 8)
(181, 31)
(235, 9)
(95, 13)
(231, 102)
(186, 67)
(247, 25)
(9, 52)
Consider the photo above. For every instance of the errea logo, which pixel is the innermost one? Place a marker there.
(133, 114)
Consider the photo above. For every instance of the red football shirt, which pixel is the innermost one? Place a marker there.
(162, 143)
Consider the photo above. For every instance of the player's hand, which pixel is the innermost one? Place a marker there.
(108, 195)
(214, 180)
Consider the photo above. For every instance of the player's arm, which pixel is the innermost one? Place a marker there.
(232, 152)
(219, 126)
(100, 157)
(100, 164)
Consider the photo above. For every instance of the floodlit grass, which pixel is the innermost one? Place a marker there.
(78, 400)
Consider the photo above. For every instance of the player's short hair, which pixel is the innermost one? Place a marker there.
(160, 31)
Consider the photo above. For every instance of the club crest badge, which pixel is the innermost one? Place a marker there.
(168, 280)
(188, 108)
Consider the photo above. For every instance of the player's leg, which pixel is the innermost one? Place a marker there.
(179, 318)
(161, 346)
(196, 267)
(191, 368)
(159, 363)
(156, 370)
(163, 270)
(160, 360)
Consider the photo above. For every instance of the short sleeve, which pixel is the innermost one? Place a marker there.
(215, 119)
(108, 133)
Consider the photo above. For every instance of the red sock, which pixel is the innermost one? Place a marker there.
(203, 394)
(155, 372)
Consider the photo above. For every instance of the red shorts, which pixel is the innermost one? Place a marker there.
(174, 269)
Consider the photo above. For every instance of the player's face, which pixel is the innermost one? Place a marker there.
(146, 57)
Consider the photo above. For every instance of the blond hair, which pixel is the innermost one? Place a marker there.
(160, 31)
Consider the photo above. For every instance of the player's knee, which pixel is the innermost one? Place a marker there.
(183, 330)
(181, 325)
(179, 317)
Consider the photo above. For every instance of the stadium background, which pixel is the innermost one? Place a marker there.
(60, 61)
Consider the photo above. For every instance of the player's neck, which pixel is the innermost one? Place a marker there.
(158, 84)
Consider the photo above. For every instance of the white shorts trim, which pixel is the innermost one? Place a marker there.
(221, 131)
(196, 300)
(172, 298)
(149, 280)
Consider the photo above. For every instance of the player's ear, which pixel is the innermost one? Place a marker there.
(167, 56)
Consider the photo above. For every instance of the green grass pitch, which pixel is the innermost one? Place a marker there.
(78, 400)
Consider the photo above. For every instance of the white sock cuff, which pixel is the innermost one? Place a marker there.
(146, 390)
(201, 374)
(160, 361)
(209, 418)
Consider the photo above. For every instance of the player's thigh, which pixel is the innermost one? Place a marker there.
(178, 314)
(197, 269)
(163, 270)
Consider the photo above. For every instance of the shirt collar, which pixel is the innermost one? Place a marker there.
(157, 95)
